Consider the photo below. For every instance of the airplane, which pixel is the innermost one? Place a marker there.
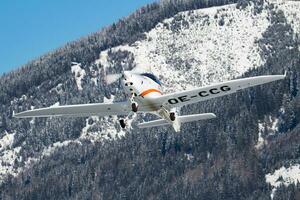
(145, 96)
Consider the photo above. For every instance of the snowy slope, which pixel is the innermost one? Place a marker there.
(286, 176)
(197, 49)
(291, 11)
(8, 155)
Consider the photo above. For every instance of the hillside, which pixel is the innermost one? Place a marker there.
(251, 151)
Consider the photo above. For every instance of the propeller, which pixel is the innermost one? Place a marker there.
(111, 78)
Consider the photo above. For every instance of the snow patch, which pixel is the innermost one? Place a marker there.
(208, 155)
(189, 157)
(59, 88)
(104, 128)
(269, 126)
(23, 98)
(284, 176)
(6, 141)
(78, 73)
(103, 59)
(7, 160)
(50, 150)
(55, 105)
(261, 140)
(291, 12)
(85, 131)
(110, 100)
(95, 81)
(8, 156)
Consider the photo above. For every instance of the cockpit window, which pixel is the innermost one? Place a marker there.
(151, 76)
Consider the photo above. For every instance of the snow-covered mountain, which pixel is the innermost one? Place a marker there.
(192, 48)
(190, 42)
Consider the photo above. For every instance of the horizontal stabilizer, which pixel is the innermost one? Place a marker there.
(196, 117)
(159, 122)
(181, 119)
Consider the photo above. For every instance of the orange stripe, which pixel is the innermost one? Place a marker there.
(149, 91)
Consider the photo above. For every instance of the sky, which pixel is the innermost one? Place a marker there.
(31, 28)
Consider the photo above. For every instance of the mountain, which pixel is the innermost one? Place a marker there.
(251, 151)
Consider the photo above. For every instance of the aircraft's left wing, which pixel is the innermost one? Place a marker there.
(81, 110)
(179, 99)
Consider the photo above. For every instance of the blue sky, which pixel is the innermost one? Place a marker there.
(31, 28)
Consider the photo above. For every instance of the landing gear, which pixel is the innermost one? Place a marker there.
(122, 123)
(172, 116)
(134, 107)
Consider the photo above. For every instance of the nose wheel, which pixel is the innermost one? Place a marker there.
(122, 123)
(134, 107)
(172, 116)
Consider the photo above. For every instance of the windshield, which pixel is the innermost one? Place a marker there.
(151, 76)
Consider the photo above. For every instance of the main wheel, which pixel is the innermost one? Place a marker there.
(134, 107)
(172, 116)
(122, 123)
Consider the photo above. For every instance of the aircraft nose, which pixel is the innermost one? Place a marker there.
(126, 75)
(128, 80)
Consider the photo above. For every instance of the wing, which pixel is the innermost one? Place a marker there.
(81, 110)
(179, 99)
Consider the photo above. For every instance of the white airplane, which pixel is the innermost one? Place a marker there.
(145, 96)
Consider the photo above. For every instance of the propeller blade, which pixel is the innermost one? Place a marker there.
(111, 78)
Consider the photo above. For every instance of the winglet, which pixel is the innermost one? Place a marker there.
(285, 73)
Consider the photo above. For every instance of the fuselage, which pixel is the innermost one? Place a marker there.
(144, 89)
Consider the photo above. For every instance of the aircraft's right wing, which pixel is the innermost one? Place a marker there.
(183, 98)
(81, 110)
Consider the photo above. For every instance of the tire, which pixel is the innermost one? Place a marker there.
(134, 107)
(172, 116)
(122, 123)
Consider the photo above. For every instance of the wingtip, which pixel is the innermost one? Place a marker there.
(16, 115)
(213, 115)
(19, 115)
